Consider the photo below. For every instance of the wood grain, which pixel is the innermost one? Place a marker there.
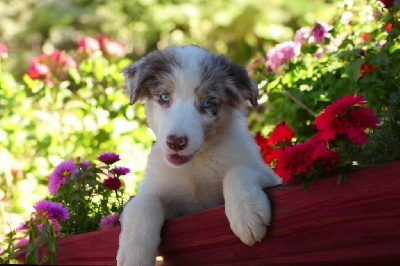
(356, 222)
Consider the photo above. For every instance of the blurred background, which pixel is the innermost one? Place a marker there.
(41, 125)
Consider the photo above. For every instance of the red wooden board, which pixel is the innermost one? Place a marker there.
(353, 222)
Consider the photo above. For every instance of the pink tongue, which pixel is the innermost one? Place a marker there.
(177, 159)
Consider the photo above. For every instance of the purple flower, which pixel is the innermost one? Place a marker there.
(109, 221)
(320, 31)
(53, 209)
(119, 170)
(21, 242)
(108, 157)
(85, 165)
(280, 54)
(64, 170)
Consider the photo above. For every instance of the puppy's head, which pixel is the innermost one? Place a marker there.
(189, 93)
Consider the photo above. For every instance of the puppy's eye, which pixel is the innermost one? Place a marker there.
(164, 97)
(207, 103)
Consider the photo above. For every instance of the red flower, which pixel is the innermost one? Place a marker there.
(346, 116)
(365, 68)
(304, 157)
(112, 183)
(388, 26)
(323, 154)
(282, 132)
(294, 160)
(38, 70)
(88, 45)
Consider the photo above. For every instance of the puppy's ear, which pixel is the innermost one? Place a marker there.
(132, 81)
(248, 89)
(148, 73)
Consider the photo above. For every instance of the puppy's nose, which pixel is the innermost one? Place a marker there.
(177, 143)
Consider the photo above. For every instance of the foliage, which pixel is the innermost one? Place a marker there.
(77, 109)
(382, 146)
(358, 54)
(233, 27)
(93, 198)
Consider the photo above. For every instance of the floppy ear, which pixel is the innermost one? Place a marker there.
(148, 73)
(248, 89)
(132, 81)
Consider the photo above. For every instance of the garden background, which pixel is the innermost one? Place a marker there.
(61, 93)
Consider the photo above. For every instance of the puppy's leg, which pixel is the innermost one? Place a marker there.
(246, 205)
(141, 224)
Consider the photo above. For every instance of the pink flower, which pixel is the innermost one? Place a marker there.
(320, 31)
(59, 57)
(3, 51)
(38, 70)
(109, 221)
(88, 45)
(113, 48)
(280, 54)
(346, 17)
(108, 157)
(302, 35)
(61, 172)
(54, 209)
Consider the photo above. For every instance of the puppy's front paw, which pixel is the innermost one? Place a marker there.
(249, 215)
(132, 252)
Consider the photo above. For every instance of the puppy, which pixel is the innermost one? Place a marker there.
(204, 156)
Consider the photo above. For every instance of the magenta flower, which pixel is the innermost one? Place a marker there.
(320, 31)
(64, 170)
(280, 54)
(54, 209)
(119, 170)
(109, 221)
(108, 158)
(387, 3)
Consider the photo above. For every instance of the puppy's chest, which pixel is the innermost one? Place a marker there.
(202, 189)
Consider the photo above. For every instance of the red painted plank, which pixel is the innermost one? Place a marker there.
(353, 222)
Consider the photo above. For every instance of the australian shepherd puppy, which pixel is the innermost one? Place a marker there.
(204, 155)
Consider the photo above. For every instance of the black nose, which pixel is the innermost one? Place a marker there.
(177, 143)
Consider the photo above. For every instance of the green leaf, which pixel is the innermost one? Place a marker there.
(353, 69)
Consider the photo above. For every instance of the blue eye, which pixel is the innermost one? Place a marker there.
(164, 97)
(207, 104)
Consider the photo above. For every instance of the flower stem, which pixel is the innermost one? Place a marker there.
(302, 105)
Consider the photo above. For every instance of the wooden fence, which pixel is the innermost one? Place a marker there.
(356, 222)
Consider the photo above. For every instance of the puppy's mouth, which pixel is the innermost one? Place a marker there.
(177, 159)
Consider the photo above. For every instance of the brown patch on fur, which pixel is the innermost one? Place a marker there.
(149, 73)
(218, 72)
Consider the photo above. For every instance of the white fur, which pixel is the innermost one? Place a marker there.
(229, 170)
